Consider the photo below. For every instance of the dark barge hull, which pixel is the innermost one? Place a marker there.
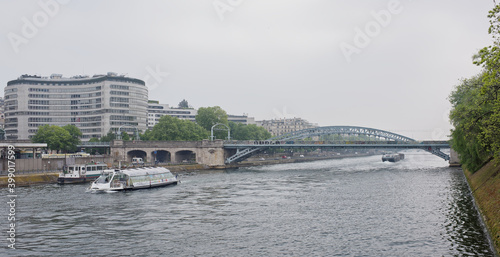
(151, 186)
(62, 181)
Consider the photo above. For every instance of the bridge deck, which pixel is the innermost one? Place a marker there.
(404, 146)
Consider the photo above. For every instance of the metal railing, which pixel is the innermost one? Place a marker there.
(95, 144)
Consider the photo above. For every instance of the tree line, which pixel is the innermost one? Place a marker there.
(475, 102)
(168, 128)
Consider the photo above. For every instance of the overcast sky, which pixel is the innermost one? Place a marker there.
(383, 64)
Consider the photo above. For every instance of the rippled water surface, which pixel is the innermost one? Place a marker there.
(350, 207)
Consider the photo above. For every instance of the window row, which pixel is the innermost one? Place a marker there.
(119, 93)
(81, 119)
(118, 100)
(119, 105)
(94, 130)
(120, 117)
(65, 90)
(64, 103)
(119, 123)
(58, 96)
(120, 87)
(10, 96)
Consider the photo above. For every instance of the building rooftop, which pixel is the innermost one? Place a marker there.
(59, 79)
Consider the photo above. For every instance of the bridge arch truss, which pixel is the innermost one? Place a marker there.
(344, 130)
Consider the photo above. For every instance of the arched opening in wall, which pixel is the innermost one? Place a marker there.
(161, 156)
(136, 154)
(185, 157)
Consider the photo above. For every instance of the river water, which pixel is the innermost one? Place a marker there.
(344, 207)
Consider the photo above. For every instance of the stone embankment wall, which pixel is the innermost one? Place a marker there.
(485, 186)
(31, 179)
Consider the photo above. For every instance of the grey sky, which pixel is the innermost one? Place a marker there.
(266, 58)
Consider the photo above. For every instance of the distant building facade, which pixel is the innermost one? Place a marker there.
(279, 127)
(241, 119)
(157, 110)
(95, 104)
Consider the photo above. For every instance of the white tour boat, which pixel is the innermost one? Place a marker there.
(81, 173)
(390, 157)
(116, 180)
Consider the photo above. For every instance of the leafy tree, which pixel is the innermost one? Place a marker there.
(209, 116)
(56, 138)
(470, 116)
(183, 104)
(489, 57)
(75, 134)
(108, 137)
(241, 131)
(175, 129)
(476, 105)
(146, 136)
(125, 136)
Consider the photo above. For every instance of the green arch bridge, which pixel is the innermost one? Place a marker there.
(380, 139)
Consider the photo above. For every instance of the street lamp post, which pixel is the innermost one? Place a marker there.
(212, 131)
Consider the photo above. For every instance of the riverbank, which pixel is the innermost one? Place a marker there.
(485, 186)
(48, 178)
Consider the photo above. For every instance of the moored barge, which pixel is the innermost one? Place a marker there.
(393, 157)
(81, 173)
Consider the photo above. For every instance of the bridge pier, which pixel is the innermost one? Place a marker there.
(454, 159)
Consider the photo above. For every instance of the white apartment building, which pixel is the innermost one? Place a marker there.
(279, 127)
(157, 110)
(241, 119)
(95, 104)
